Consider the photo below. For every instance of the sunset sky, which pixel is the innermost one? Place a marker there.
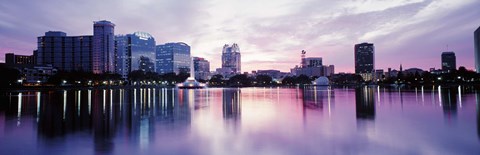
(270, 33)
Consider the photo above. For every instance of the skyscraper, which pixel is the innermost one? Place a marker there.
(365, 60)
(134, 52)
(476, 39)
(173, 57)
(201, 67)
(449, 61)
(66, 53)
(103, 47)
(231, 58)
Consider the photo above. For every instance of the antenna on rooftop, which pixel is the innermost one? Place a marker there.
(304, 64)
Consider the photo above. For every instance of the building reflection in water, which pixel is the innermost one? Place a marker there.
(477, 97)
(105, 114)
(448, 101)
(365, 103)
(365, 108)
(231, 105)
(313, 97)
(103, 120)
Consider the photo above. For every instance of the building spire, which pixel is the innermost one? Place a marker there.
(401, 69)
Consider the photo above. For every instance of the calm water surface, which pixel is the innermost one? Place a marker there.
(244, 121)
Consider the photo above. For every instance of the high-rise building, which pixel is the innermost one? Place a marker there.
(173, 57)
(201, 67)
(313, 62)
(66, 53)
(476, 39)
(134, 52)
(231, 59)
(103, 47)
(449, 61)
(365, 60)
(13, 59)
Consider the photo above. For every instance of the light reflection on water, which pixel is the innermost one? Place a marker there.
(316, 120)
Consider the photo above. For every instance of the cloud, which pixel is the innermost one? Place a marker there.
(269, 32)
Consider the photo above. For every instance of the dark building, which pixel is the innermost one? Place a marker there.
(449, 61)
(78, 53)
(12, 59)
(66, 53)
(365, 60)
(201, 67)
(476, 38)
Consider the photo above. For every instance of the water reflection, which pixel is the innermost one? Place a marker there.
(477, 99)
(106, 114)
(365, 103)
(448, 101)
(231, 104)
(242, 121)
(313, 97)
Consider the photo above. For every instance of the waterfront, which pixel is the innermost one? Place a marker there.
(274, 120)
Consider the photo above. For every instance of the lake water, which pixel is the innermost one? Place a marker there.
(226, 121)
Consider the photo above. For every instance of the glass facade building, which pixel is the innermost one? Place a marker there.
(103, 47)
(134, 52)
(231, 59)
(66, 53)
(173, 57)
(365, 60)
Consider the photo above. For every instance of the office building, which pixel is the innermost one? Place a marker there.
(313, 62)
(202, 68)
(365, 60)
(66, 53)
(476, 40)
(328, 70)
(12, 59)
(231, 59)
(173, 57)
(134, 52)
(449, 61)
(103, 47)
(312, 66)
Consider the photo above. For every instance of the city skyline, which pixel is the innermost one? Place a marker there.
(271, 34)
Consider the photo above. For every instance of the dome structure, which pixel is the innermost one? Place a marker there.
(143, 35)
(321, 81)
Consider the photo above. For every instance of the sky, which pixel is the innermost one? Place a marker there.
(270, 34)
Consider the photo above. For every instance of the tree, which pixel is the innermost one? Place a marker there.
(240, 80)
(289, 80)
(216, 80)
(303, 79)
(136, 75)
(263, 80)
(10, 76)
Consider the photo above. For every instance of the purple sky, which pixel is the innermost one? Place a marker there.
(270, 34)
